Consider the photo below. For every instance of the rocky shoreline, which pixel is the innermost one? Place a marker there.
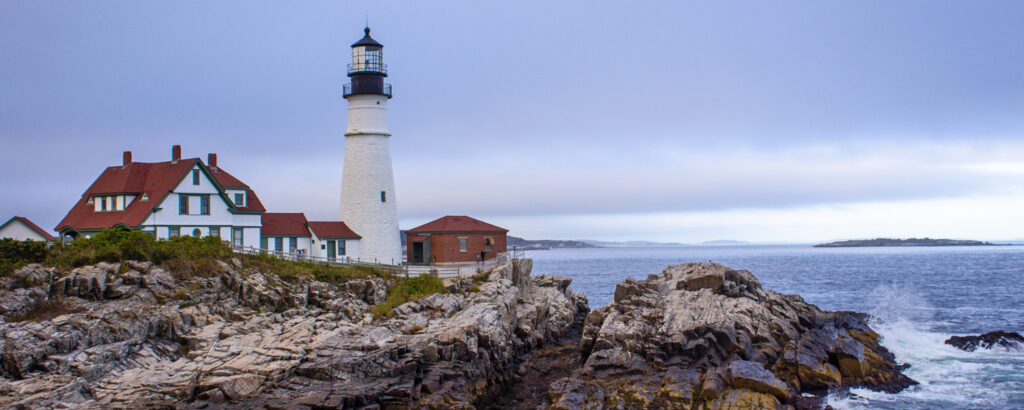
(703, 335)
(695, 336)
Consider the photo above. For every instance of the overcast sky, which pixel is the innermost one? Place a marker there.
(672, 121)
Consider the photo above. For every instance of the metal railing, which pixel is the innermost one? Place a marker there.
(465, 269)
(443, 271)
(346, 90)
(299, 256)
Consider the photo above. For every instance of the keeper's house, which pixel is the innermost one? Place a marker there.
(168, 199)
(454, 239)
(20, 228)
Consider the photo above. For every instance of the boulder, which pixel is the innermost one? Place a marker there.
(751, 347)
(1009, 340)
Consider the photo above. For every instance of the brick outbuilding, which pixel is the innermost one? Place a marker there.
(454, 239)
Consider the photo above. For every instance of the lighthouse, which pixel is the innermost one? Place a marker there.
(368, 184)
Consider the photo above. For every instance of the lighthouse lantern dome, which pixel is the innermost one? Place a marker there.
(367, 56)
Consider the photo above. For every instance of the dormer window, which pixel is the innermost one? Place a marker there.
(240, 200)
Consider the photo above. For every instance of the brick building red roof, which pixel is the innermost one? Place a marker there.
(152, 179)
(284, 224)
(452, 223)
(332, 230)
(31, 226)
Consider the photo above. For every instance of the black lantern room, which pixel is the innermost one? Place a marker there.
(367, 70)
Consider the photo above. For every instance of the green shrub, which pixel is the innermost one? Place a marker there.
(15, 254)
(183, 256)
(115, 245)
(406, 290)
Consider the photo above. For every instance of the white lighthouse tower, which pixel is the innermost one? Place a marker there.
(368, 184)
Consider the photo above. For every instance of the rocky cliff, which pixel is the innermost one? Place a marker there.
(133, 335)
(706, 336)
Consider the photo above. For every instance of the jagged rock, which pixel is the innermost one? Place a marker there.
(752, 376)
(1011, 340)
(750, 347)
(242, 338)
(30, 275)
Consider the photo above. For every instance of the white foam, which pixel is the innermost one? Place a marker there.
(948, 377)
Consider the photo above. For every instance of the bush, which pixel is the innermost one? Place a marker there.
(181, 254)
(15, 254)
(406, 290)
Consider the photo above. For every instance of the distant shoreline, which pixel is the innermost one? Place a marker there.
(888, 242)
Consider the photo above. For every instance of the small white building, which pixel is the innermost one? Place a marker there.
(168, 199)
(292, 236)
(21, 228)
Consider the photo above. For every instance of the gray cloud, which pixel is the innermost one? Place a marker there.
(522, 109)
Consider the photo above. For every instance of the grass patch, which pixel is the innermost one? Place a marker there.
(405, 290)
(291, 271)
(41, 310)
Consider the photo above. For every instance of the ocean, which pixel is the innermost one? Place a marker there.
(918, 297)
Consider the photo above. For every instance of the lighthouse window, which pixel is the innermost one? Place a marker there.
(383, 196)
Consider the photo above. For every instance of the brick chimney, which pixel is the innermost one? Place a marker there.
(211, 160)
(127, 159)
(176, 153)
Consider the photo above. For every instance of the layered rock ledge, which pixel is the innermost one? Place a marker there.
(133, 335)
(705, 336)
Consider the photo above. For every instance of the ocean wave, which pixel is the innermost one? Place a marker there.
(948, 377)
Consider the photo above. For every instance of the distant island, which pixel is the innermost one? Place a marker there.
(544, 244)
(902, 242)
(725, 242)
(631, 243)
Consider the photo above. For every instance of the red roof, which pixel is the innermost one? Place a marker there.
(417, 237)
(31, 226)
(226, 180)
(153, 179)
(456, 224)
(284, 224)
(332, 230)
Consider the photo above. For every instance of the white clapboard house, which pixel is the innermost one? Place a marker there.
(182, 196)
(185, 196)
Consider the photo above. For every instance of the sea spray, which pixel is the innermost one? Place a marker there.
(948, 377)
